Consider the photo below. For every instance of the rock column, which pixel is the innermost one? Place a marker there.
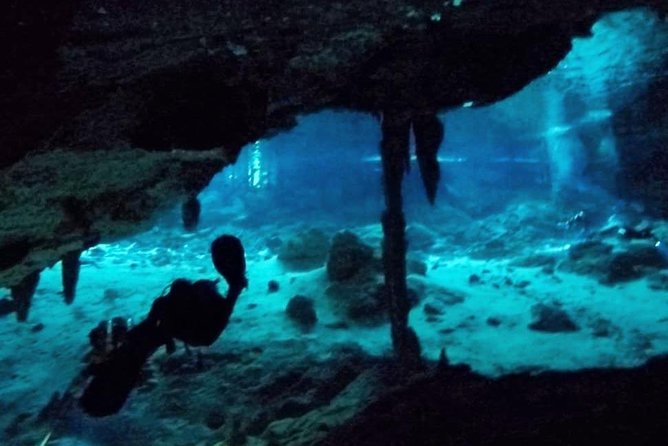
(394, 146)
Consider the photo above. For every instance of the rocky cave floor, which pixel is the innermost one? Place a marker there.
(513, 293)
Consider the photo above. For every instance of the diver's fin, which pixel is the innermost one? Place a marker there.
(115, 378)
(107, 392)
(229, 259)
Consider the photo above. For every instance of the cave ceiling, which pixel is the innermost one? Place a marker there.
(113, 110)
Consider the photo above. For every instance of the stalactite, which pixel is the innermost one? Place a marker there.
(428, 132)
(70, 274)
(190, 211)
(395, 156)
(22, 294)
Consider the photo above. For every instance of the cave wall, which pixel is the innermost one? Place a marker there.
(641, 129)
(59, 202)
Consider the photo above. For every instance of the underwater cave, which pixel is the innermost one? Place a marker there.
(386, 222)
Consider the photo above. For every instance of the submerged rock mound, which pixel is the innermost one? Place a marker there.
(551, 319)
(611, 266)
(301, 310)
(348, 257)
(305, 250)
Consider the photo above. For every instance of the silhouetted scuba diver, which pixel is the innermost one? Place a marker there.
(192, 312)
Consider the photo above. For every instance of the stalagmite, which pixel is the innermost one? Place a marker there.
(395, 155)
(70, 273)
(22, 294)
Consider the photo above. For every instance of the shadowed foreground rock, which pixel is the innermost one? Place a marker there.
(458, 407)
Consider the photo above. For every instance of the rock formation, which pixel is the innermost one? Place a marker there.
(70, 273)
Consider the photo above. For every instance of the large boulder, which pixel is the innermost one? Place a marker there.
(365, 302)
(301, 310)
(600, 261)
(589, 258)
(305, 250)
(634, 263)
(420, 237)
(362, 303)
(348, 257)
(551, 319)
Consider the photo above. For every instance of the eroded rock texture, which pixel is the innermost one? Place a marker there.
(60, 201)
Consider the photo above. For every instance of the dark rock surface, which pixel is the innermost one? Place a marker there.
(301, 310)
(364, 301)
(589, 249)
(305, 250)
(432, 310)
(282, 393)
(420, 237)
(203, 74)
(416, 266)
(61, 201)
(535, 261)
(658, 281)
(634, 263)
(629, 262)
(215, 420)
(458, 407)
(348, 257)
(603, 328)
(641, 144)
(359, 302)
(447, 296)
(551, 319)
(273, 286)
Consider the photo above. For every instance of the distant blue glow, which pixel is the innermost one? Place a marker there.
(257, 175)
(623, 53)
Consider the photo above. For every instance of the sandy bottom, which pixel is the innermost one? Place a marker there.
(123, 278)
